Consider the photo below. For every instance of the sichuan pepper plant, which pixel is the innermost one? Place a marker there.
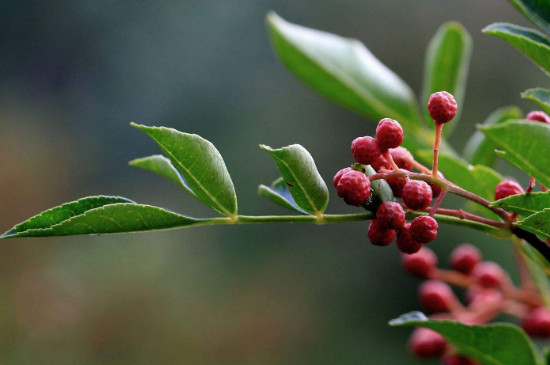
(397, 180)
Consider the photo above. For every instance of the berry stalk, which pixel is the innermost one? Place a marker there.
(437, 143)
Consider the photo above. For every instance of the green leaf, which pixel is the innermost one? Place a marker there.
(301, 176)
(162, 166)
(538, 267)
(540, 96)
(480, 150)
(495, 344)
(524, 144)
(200, 164)
(66, 211)
(538, 223)
(95, 215)
(531, 43)
(279, 194)
(447, 61)
(537, 11)
(344, 71)
(525, 204)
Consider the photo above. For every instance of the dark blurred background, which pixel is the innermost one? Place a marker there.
(74, 74)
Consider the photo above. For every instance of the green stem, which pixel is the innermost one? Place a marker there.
(341, 218)
(324, 219)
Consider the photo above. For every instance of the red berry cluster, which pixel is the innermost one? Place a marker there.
(488, 289)
(384, 154)
(488, 293)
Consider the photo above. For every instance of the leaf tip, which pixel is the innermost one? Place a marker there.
(139, 126)
(261, 189)
(9, 234)
(487, 29)
(272, 17)
(266, 148)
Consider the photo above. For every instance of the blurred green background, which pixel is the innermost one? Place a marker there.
(74, 74)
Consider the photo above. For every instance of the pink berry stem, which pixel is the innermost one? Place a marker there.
(460, 280)
(420, 167)
(486, 314)
(453, 278)
(437, 143)
(389, 158)
(529, 297)
(438, 202)
(515, 309)
(459, 213)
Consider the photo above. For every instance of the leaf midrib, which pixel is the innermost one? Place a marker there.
(315, 210)
(218, 204)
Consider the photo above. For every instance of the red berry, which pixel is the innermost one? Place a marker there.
(365, 150)
(405, 243)
(338, 175)
(389, 133)
(390, 215)
(354, 187)
(538, 116)
(436, 296)
(421, 264)
(380, 164)
(417, 195)
(489, 274)
(424, 229)
(457, 360)
(537, 323)
(464, 258)
(442, 107)
(426, 343)
(506, 188)
(402, 158)
(379, 236)
(397, 184)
